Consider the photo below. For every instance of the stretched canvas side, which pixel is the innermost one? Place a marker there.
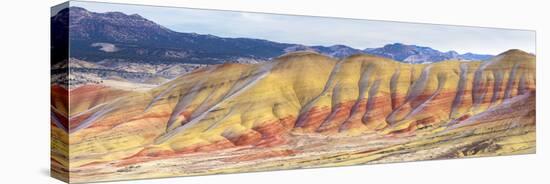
(59, 89)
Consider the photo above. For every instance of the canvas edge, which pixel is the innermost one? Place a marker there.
(59, 159)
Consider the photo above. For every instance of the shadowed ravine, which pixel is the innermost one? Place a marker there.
(307, 110)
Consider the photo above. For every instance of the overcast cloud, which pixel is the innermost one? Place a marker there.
(306, 30)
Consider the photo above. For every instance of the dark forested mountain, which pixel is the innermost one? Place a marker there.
(114, 35)
(131, 38)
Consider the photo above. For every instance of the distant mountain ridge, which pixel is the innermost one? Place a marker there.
(117, 36)
(419, 54)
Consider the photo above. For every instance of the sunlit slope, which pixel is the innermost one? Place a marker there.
(59, 161)
(88, 96)
(232, 105)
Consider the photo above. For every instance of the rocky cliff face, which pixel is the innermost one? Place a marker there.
(264, 105)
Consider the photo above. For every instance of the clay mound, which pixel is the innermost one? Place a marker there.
(59, 107)
(236, 105)
(89, 96)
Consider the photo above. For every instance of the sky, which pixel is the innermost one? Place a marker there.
(309, 30)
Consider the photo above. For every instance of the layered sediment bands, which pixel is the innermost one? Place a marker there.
(59, 149)
(511, 82)
(498, 76)
(177, 116)
(59, 99)
(85, 98)
(59, 107)
(337, 110)
(371, 111)
(236, 106)
(393, 89)
(414, 94)
(460, 89)
(363, 85)
(481, 82)
(304, 112)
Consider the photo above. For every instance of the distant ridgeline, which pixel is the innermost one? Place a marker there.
(115, 36)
